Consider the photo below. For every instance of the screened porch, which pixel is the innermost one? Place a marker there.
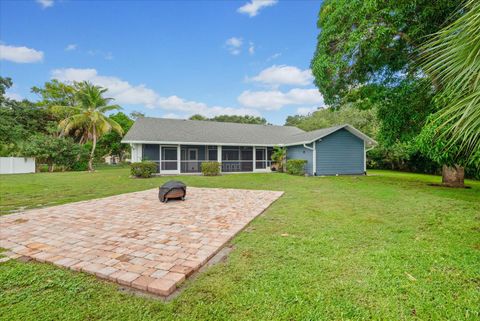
(179, 159)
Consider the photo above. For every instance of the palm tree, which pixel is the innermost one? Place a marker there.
(452, 59)
(90, 115)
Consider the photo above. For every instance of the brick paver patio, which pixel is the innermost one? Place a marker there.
(134, 239)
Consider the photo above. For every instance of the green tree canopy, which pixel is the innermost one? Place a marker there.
(372, 41)
(243, 119)
(363, 120)
(110, 143)
(19, 120)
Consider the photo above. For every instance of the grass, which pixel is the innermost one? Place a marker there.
(386, 246)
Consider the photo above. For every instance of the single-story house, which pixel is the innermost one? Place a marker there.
(180, 146)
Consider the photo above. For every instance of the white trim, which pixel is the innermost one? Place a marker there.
(179, 158)
(314, 156)
(177, 171)
(219, 156)
(254, 158)
(197, 143)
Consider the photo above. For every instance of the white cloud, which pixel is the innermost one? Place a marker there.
(284, 75)
(45, 3)
(251, 48)
(192, 107)
(306, 110)
(275, 99)
(105, 55)
(274, 56)
(71, 47)
(125, 93)
(14, 96)
(122, 91)
(254, 6)
(20, 54)
(234, 45)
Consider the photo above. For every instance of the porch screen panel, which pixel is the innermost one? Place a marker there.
(237, 159)
(212, 153)
(260, 157)
(169, 158)
(246, 157)
(151, 152)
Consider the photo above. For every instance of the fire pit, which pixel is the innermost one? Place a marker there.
(172, 189)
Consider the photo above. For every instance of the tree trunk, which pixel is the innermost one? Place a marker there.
(94, 144)
(453, 176)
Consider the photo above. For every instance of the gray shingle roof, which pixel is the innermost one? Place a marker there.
(147, 129)
(176, 131)
(306, 137)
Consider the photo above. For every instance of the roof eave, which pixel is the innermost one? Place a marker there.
(196, 143)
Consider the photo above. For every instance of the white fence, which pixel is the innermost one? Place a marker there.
(17, 165)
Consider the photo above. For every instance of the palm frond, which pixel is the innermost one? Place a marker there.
(115, 126)
(452, 59)
(109, 108)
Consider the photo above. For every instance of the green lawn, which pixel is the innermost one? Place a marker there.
(386, 246)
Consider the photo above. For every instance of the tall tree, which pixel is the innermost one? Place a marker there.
(372, 41)
(90, 115)
(19, 120)
(367, 56)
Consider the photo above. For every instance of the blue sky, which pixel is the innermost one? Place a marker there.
(168, 59)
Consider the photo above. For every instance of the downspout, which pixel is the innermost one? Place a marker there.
(314, 157)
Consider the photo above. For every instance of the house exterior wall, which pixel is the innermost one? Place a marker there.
(300, 152)
(137, 150)
(340, 153)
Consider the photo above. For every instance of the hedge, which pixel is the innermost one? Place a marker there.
(211, 168)
(296, 166)
(143, 169)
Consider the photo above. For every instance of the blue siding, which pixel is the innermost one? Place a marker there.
(340, 153)
(300, 152)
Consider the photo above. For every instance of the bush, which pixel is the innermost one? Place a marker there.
(296, 166)
(80, 166)
(211, 168)
(143, 169)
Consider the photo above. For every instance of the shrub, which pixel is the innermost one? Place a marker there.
(211, 168)
(296, 166)
(81, 165)
(143, 169)
(278, 158)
